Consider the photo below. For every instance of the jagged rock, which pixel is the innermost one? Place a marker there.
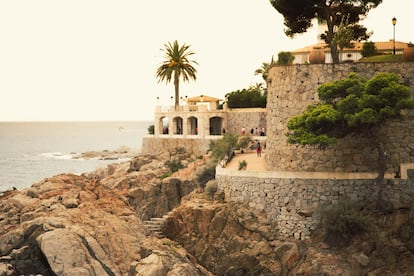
(76, 225)
(92, 224)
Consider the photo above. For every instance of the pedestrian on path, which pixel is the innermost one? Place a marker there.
(259, 149)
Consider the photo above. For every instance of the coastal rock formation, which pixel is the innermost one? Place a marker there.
(233, 239)
(88, 224)
(92, 224)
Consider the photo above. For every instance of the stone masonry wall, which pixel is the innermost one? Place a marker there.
(291, 202)
(153, 145)
(292, 88)
(246, 117)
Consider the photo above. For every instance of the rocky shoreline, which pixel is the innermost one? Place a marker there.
(93, 224)
(117, 154)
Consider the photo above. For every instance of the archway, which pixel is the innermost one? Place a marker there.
(192, 124)
(216, 125)
(163, 125)
(178, 125)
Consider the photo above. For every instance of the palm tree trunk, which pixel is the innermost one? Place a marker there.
(177, 88)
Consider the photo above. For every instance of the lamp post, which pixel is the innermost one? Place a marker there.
(394, 21)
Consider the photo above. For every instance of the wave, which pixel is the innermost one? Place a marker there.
(58, 155)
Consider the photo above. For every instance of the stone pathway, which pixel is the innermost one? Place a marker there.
(254, 163)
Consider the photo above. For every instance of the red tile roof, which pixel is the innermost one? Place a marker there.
(382, 46)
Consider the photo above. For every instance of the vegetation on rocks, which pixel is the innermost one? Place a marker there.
(342, 221)
(92, 224)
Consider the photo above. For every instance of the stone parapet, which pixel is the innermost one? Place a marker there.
(158, 145)
(290, 199)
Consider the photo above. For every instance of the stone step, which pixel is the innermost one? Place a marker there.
(154, 226)
(151, 222)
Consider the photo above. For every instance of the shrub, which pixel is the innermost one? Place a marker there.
(180, 150)
(285, 58)
(221, 148)
(150, 129)
(342, 221)
(242, 165)
(243, 141)
(211, 188)
(205, 174)
(174, 165)
(369, 49)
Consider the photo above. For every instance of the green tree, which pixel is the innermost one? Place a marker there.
(369, 49)
(223, 147)
(353, 105)
(245, 98)
(298, 15)
(264, 71)
(176, 65)
(285, 58)
(344, 35)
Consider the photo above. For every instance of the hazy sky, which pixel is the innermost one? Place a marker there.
(96, 59)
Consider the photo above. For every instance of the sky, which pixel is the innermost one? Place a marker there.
(95, 60)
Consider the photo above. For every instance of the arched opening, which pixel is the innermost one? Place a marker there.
(178, 125)
(192, 124)
(216, 125)
(163, 125)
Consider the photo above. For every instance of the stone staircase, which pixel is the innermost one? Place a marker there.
(154, 226)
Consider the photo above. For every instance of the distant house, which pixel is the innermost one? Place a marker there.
(347, 54)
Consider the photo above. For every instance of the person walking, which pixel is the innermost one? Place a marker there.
(259, 149)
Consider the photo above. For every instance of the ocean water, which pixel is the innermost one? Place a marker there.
(32, 151)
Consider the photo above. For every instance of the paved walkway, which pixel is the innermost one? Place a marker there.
(254, 163)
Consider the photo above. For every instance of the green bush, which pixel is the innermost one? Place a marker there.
(242, 165)
(174, 165)
(150, 129)
(285, 58)
(342, 221)
(211, 188)
(205, 174)
(243, 142)
(223, 147)
(369, 49)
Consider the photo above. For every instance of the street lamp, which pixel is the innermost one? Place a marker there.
(394, 21)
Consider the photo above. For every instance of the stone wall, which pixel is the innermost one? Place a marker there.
(234, 119)
(246, 117)
(158, 145)
(292, 88)
(290, 201)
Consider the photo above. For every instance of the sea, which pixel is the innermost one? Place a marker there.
(32, 151)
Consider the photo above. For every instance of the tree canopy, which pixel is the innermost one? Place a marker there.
(176, 64)
(251, 97)
(298, 16)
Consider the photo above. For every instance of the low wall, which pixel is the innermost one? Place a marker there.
(249, 118)
(289, 199)
(158, 145)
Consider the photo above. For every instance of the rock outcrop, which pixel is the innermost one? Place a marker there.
(91, 224)
(233, 239)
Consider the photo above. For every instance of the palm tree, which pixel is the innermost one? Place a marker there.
(176, 64)
(264, 71)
